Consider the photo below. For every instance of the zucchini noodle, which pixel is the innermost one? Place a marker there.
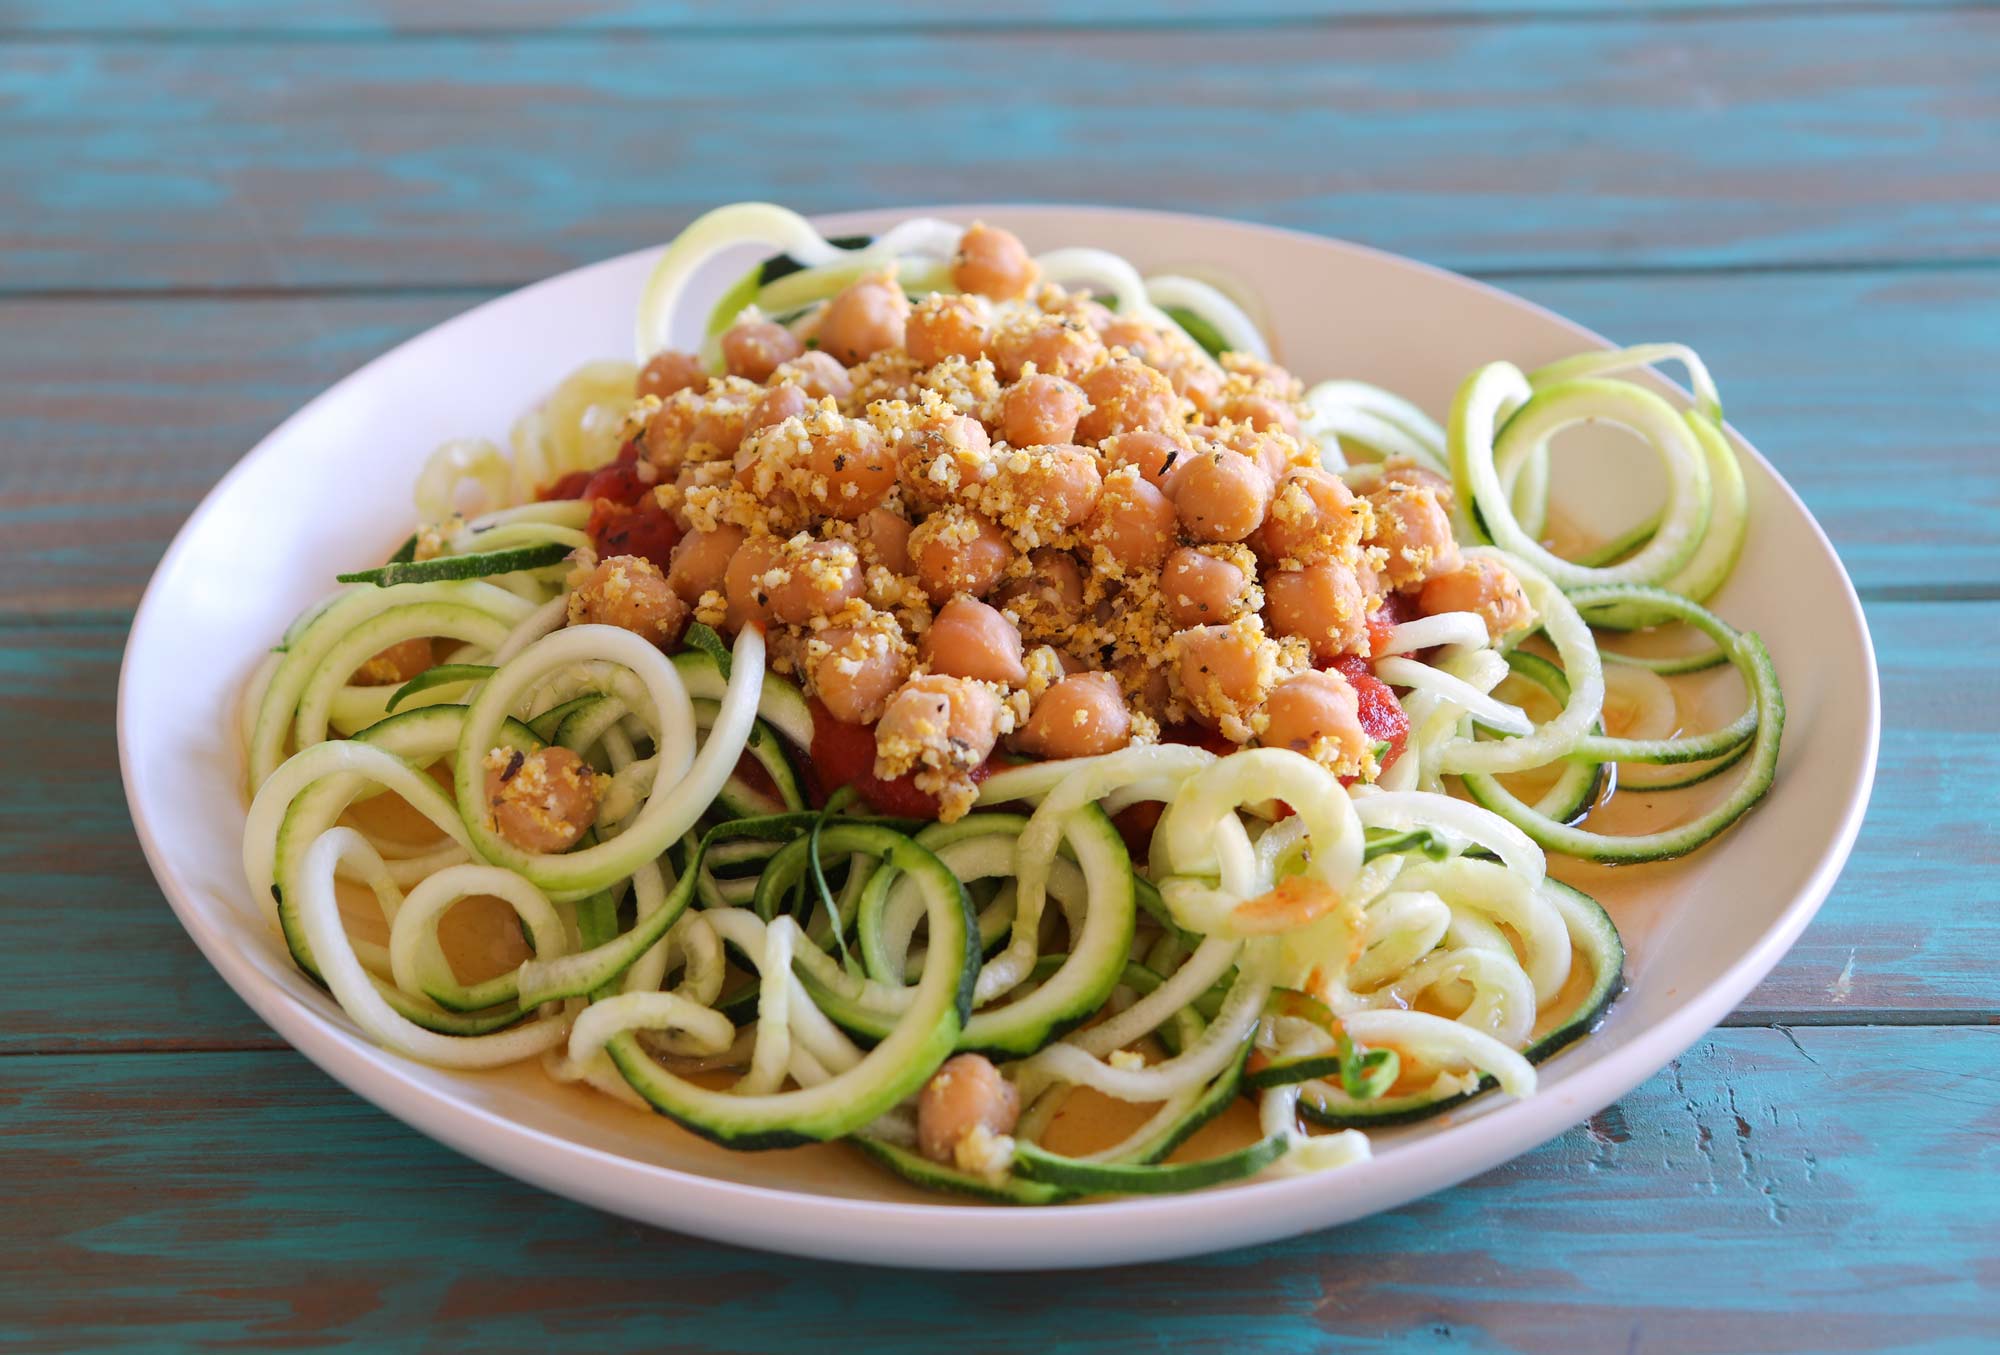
(706, 914)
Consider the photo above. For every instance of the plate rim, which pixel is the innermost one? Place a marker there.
(920, 1236)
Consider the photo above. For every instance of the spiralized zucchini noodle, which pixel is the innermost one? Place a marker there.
(970, 684)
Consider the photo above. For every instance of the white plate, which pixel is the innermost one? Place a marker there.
(331, 487)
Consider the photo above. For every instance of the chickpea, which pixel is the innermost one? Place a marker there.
(993, 262)
(544, 801)
(746, 582)
(1276, 453)
(945, 461)
(1081, 716)
(959, 551)
(1083, 306)
(1052, 592)
(1060, 347)
(885, 539)
(693, 475)
(1158, 457)
(962, 1108)
(817, 374)
(1221, 495)
(1483, 586)
(1142, 340)
(865, 318)
(1313, 516)
(699, 425)
(1316, 714)
(848, 469)
(701, 560)
(754, 348)
(667, 371)
(1038, 410)
(1126, 397)
(939, 721)
(719, 422)
(943, 326)
(629, 592)
(1221, 670)
(1369, 578)
(1200, 385)
(969, 639)
(1262, 411)
(397, 664)
(1201, 589)
(819, 578)
(1133, 522)
(860, 669)
(778, 404)
(1059, 483)
(1402, 471)
(1323, 605)
(1262, 377)
(1414, 528)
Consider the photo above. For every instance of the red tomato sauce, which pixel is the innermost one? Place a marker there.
(843, 754)
(1382, 719)
(625, 517)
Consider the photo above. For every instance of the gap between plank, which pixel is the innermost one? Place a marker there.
(478, 289)
(1836, 1018)
(1052, 25)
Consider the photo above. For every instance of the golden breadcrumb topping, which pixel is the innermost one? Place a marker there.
(871, 479)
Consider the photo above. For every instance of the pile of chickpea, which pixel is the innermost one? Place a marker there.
(1008, 512)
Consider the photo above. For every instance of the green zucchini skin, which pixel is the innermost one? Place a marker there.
(920, 1040)
(439, 675)
(1073, 993)
(1218, 1098)
(479, 565)
(921, 1171)
(1132, 1178)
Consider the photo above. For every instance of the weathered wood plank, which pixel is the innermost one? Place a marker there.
(90, 953)
(1831, 1193)
(91, 957)
(1928, 849)
(1709, 139)
(405, 18)
(1870, 391)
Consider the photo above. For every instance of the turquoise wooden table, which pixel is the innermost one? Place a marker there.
(211, 210)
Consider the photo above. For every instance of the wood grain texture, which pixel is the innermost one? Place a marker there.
(76, 885)
(1808, 1200)
(1908, 934)
(1870, 391)
(492, 159)
(211, 19)
(272, 194)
